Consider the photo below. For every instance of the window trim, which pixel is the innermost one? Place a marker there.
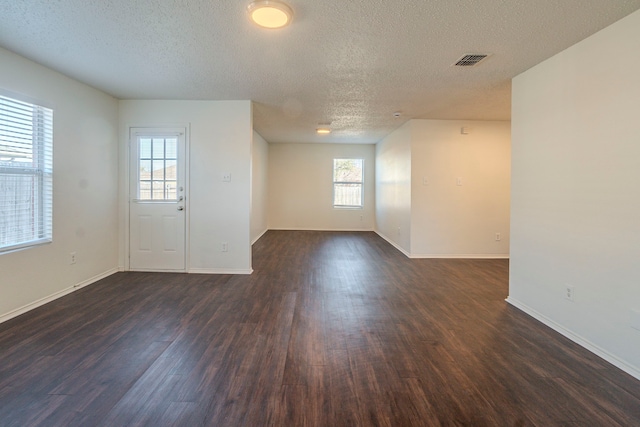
(333, 184)
(42, 131)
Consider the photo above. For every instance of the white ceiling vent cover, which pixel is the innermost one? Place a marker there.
(470, 60)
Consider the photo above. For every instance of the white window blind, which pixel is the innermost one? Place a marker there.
(26, 174)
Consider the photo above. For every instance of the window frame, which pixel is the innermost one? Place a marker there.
(334, 182)
(41, 168)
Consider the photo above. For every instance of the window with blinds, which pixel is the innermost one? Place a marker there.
(347, 183)
(26, 174)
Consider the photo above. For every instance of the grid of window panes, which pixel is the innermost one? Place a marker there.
(157, 179)
(347, 182)
(26, 172)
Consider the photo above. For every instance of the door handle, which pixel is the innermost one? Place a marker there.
(180, 208)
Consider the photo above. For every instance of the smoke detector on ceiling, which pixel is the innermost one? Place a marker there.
(470, 60)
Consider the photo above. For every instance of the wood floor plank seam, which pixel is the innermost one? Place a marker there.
(332, 329)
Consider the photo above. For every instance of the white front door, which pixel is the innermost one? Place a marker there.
(157, 218)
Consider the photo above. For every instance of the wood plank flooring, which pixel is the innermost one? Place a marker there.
(332, 329)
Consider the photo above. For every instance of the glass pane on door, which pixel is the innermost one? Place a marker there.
(157, 169)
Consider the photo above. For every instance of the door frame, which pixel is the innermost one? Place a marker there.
(126, 187)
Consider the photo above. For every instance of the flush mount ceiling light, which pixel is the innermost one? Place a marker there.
(270, 13)
(323, 131)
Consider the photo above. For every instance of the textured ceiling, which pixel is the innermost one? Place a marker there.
(349, 62)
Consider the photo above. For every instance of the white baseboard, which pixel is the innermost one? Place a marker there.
(219, 271)
(593, 348)
(258, 238)
(443, 256)
(461, 256)
(321, 229)
(55, 296)
(394, 244)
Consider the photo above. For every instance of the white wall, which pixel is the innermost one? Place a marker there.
(85, 189)
(301, 187)
(441, 218)
(393, 188)
(220, 134)
(575, 216)
(450, 220)
(259, 186)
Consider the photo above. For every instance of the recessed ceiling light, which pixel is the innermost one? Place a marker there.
(323, 131)
(270, 13)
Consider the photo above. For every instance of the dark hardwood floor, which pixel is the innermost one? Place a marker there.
(332, 329)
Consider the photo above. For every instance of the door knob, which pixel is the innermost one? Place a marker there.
(180, 208)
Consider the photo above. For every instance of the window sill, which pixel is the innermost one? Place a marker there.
(348, 208)
(23, 246)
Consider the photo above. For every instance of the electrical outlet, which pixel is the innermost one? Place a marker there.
(226, 177)
(570, 293)
(72, 258)
(498, 237)
(224, 247)
(459, 181)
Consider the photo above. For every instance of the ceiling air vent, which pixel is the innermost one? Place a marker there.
(469, 60)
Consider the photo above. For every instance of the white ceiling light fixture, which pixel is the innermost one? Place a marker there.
(324, 128)
(271, 14)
